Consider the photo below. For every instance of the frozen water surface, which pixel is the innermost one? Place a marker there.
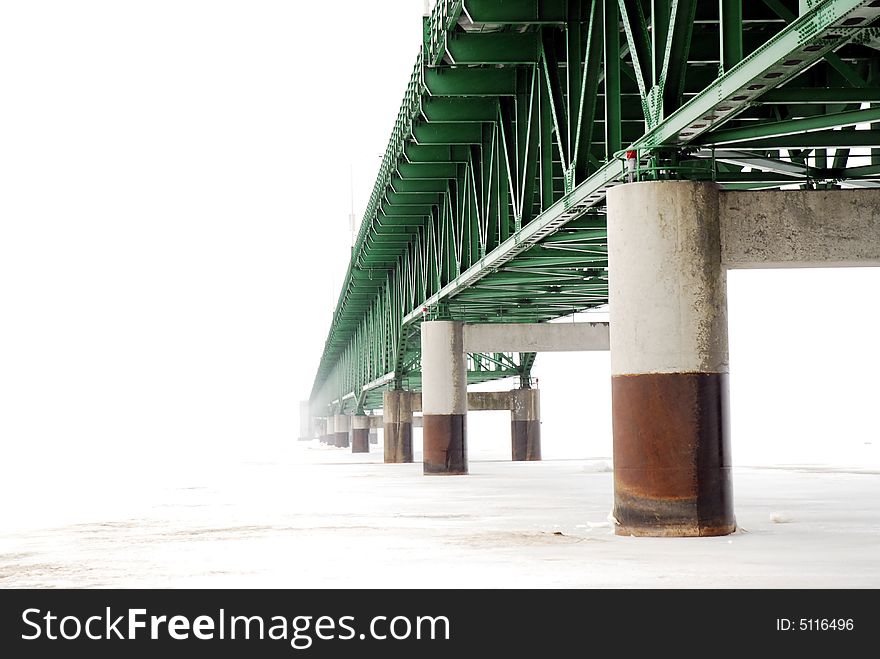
(323, 517)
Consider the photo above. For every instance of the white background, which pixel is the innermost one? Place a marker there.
(174, 199)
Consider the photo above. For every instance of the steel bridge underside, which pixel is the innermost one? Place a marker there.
(518, 116)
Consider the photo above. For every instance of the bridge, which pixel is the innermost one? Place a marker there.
(556, 156)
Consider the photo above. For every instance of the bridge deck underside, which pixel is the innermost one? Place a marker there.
(489, 204)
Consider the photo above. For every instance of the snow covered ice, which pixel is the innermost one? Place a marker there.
(323, 517)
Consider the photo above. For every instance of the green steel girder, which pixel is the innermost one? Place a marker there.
(469, 81)
(517, 12)
(417, 170)
(676, 49)
(396, 212)
(761, 161)
(731, 34)
(792, 126)
(817, 139)
(418, 185)
(512, 129)
(823, 96)
(611, 55)
(450, 109)
(417, 199)
(865, 170)
(492, 48)
(420, 154)
(452, 133)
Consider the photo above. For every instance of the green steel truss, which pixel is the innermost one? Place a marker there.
(489, 203)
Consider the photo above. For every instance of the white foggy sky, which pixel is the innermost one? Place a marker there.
(174, 231)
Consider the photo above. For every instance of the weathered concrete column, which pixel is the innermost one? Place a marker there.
(360, 433)
(444, 398)
(341, 425)
(525, 424)
(669, 360)
(397, 420)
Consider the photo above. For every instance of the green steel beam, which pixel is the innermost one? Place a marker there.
(451, 109)
(865, 170)
(731, 33)
(613, 138)
(574, 67)
(407, 211)
(517, 12)
(766, 163)
(412, 198)
(493, 48)
(420, 154)
(452, 133)
(821, 95)
(411, 170)
(639, 43)
(822, 139)
(676, 47)
(418, 185)
(556, 96)
(589, 97)
(470, 82)
(792, 126)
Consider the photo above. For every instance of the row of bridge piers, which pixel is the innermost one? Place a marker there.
(670, 245)
(448, 449)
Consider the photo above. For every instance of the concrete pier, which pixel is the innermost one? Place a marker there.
(374, 434)
(341, 425)
(525, 424)
(444, 398)
(360, 434)
(397, 421)
(669, 360)
(329, 435)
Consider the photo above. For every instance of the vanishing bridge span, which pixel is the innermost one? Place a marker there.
(555, 156)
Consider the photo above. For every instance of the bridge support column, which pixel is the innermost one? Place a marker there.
(397, 420)
(444, 398)
(341, 424)
(669, 360)
(360, 434)
(525, 424)
(328, 436)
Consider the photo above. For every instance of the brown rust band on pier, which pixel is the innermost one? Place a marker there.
(672, 454)
(445, 450)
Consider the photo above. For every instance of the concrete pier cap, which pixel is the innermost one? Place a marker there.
(669, 360)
